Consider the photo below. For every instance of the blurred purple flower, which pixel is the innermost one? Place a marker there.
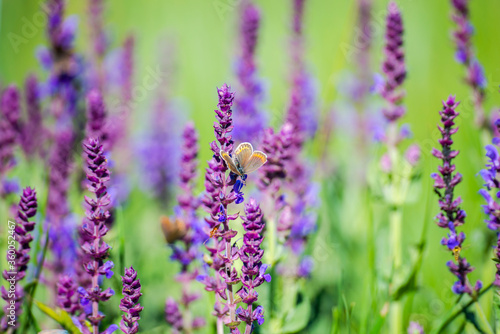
(159, 150)
(465, 55)
(415, 328)
(492, 206)
(32, 137)
(302, 112)
(173, 315)
(249, 119)
(61, 238)
(64, 84)
(96, 116)
(11, 110)
(393, 66)
(99, 38)
(67, 297)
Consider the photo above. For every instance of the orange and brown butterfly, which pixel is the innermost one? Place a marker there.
(245, 160)
(173, 230)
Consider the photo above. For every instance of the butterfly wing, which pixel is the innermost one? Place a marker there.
(257, 159)
(242, 153)
(229, 162)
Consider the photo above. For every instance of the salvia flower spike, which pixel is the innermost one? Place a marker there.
(451, 215)
(94, 229)
(17, 263)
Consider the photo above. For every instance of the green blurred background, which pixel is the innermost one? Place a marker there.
(205, 43)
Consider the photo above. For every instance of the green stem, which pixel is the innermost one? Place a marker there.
(31, 294)
(395, 220)
(485, 324)
(453, 316)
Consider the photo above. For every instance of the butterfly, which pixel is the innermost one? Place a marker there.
(245, 159)
(173, 229)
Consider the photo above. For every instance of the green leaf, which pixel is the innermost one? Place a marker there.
(60, 316)
(296, 320)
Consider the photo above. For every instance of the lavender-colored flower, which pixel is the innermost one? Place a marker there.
(159, 149)
(173, 315)
(363, 68)
(415, 328)
(451, 216)
(18, 262)
(100, 43)
(96, 116)
(57, 214)
(130, 302)
(253, 270)
(302, 113)
(187, 200)
(65, 65)
(249, 119)
(279, 150)
(67, 296)
(10, 131)
(215, 202)
(128, 67)
(94, 229)
(394, 65)
(11, 110)
(464, 30)
(215, 173)
(251, 253)
(492, 206)
(298, 14)
(32, 130)
(465, 55)
(8, 138)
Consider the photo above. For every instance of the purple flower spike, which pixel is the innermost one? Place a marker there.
(17, 263)
(32, 130)
(217, 198)
(451, 216)
(57, 214)
(96, 116)
(173, 315)
(492, 206)
(393, 66)
(249, 118)
(187, 200)
(465, 55)
(447, 179)
(253, 270)
(11, 109)
(94, 228)
(130, 302)
(184, 233)
(302, 112)
(10, 131)
(67, 297)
